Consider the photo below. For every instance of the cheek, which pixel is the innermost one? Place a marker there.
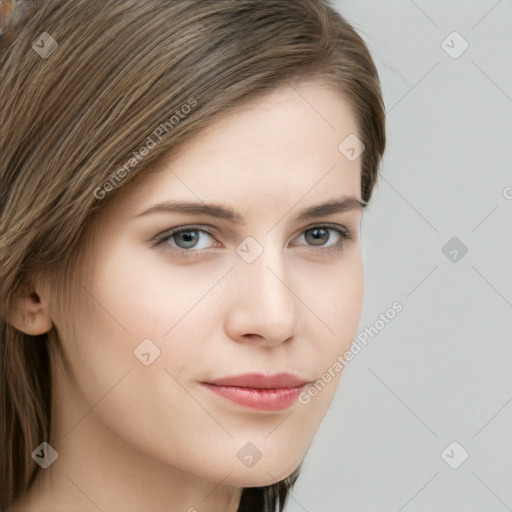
(335, 295)
(336, 298)
(347, 301)
(147, 293)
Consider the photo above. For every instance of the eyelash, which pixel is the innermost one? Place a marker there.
(162, 239)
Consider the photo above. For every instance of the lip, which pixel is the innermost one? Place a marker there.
(259, 391)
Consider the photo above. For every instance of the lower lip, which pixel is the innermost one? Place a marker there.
(261, 399)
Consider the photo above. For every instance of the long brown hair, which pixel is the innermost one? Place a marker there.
(85, 85)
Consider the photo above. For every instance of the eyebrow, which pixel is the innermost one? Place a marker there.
(342, 204)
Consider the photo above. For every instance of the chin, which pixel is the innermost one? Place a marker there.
(261, 476)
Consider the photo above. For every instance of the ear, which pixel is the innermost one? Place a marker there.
(29, 314)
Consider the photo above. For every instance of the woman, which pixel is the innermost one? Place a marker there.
(183, 184)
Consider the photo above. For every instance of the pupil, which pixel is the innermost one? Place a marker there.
(189, 238)
(317, 239)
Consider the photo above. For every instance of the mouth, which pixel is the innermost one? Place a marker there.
(259, 391)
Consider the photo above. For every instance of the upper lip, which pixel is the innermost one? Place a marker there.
(261, 381)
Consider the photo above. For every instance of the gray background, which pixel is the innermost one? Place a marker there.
(440, 371)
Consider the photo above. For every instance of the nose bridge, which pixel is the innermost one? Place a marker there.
(265, 304)
(266, 275)
(268, 279)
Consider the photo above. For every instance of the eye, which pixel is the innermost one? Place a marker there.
(191, 241)
(186, 239)
(325, 237)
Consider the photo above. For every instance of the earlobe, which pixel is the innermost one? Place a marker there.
(28, 320)
(30, 316)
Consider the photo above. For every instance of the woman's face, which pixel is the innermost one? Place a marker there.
(268, 286)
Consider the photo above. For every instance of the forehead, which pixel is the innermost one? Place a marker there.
(273, 150)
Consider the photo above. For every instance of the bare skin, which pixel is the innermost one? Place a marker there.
(132, 437)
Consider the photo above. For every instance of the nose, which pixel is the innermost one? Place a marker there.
(263, 306)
